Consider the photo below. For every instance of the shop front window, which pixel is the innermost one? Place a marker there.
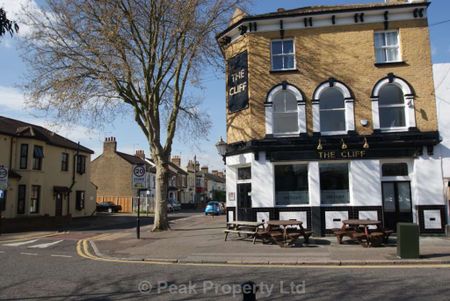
(334, 184)
(291, 184)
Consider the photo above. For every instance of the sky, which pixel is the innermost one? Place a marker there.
(129, 136)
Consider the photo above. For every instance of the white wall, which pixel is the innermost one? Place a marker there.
(263, 182)
(428, 183)
(365, 183)
(441, 74)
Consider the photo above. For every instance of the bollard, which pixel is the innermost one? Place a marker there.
(249, 289)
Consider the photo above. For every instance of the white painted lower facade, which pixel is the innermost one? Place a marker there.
(365, 190)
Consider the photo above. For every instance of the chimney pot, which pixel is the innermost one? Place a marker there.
(110, 145)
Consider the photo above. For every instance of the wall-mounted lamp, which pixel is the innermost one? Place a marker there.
(343, 145)
(366, 144)
(364, 122)
(319, 146)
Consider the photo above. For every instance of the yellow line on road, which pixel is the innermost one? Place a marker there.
(83, 251)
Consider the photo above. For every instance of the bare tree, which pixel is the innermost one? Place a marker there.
(6, 25)
(89, 58)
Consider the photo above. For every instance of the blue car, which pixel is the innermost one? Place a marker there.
(213, 208)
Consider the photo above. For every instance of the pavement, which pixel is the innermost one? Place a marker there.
(66, 266)
(199, 239)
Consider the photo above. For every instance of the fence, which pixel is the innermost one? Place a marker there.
(129, 204)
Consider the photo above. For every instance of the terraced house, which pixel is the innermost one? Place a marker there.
(331, 115)
(48, 175)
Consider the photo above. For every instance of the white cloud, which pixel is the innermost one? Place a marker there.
(14, 12)
(12, 105)
(11, 98)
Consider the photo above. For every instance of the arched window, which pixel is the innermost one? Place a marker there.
(333, 108)
(285, 111)
(393, 105)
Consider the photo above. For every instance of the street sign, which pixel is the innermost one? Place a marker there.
(3, 177)
(139, 176)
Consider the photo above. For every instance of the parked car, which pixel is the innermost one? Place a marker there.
(175, 205)
(213, 208)
(108, 207)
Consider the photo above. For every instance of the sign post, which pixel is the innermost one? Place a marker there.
(139, 181)
(3, 187)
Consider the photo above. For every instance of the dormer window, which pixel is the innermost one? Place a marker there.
(283, 55)
(387, 47)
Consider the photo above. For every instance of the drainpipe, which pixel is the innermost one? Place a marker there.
(73, 177)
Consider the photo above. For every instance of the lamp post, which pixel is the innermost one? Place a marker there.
(222, 148)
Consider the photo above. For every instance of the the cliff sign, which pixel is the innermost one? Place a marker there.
(237, 84)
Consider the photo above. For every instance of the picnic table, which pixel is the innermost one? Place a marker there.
(358, 229)
(284, 232)
(243, 227)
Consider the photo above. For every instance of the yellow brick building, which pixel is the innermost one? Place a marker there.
(331, 115)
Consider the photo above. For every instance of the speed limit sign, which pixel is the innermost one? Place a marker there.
(139, 176)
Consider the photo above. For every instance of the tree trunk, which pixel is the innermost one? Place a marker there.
(161, 221)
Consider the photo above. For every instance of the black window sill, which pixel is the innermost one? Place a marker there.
(391, 64)
(284, 71)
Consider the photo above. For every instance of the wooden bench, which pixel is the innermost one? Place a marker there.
(387, 233)
(239, 232)
(376, 238)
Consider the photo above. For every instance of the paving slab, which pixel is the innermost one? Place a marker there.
(200, 239)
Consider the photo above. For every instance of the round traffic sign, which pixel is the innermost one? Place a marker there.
(139, 171)
(3, 172)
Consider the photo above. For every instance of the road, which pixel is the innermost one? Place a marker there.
(49, 268)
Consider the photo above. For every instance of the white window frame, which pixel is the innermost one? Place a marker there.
(309, 185)
(385, 48)
(282, 54)
(348, 106)
(301, 111)
(350, 180)
(408, 104)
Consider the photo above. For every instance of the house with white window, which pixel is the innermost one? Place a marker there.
(331, 115)
(47, 177)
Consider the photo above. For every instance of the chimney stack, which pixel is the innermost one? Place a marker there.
(205, 169)
(281, 10)
(140, 154)
(110, 145)
(176, 160)
(215, 172)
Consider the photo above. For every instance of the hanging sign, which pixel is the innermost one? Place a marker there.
(3, 177)
(139, 173)
(237, 84)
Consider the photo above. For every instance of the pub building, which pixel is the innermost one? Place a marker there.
(331, 115)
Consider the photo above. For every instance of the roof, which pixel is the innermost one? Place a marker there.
(212, 177)
(17, 128)
(322, 9)
(135, 160)
(179, 169)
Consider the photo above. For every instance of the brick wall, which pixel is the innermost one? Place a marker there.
(344, 52)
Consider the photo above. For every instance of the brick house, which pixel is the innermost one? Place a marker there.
(49, 175)
(112, 173)
(331, 115)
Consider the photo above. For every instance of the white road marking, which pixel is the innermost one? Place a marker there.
(2, 252)
(17, 244)
(31, 254)
(65, 256)
(46, 245)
